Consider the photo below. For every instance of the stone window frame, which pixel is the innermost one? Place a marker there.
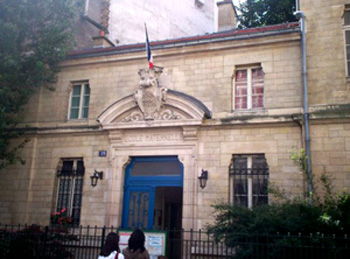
(249, 68)
(346, 31)
(83, 84)
(247, 175)
(72, 182)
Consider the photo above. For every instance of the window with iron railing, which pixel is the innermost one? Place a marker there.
(70, 188)
(249, 175)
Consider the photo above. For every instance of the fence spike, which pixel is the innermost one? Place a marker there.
(192, 241)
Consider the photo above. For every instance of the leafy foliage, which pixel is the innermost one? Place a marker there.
(61, 218)
(240, 227)
(257, 13)
(35, 36)
(35, 242)
(300, 159)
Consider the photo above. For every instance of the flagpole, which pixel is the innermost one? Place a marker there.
(148, 50)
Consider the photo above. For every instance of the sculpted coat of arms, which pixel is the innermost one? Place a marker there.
(150, 98)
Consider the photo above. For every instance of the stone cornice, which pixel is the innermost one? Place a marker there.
(321, 114)
(248, 121)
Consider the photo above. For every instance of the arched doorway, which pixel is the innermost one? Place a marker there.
(153, 193)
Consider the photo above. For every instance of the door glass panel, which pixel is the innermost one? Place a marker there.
(138, 209)
(154, 168)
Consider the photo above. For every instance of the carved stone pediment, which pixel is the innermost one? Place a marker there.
(157, 115)
(152, 105)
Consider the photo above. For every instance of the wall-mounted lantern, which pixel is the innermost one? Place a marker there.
(94, 178)
(203, 179)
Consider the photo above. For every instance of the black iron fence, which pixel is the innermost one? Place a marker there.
(23, 241)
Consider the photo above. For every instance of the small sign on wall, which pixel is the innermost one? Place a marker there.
(102, 153)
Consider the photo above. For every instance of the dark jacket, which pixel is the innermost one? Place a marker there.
(135, 254)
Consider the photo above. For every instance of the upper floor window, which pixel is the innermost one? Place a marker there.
(70, 187)
(248, 180)
(79, 101)
(347, 38)
(249, 88)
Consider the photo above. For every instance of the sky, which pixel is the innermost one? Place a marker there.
(236, 2)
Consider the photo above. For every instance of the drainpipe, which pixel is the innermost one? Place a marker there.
(297, 5)
(301, 17)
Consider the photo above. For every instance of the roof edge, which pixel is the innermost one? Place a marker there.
(191, 40)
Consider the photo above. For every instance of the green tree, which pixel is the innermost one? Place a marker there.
(35, 37)
(257, 13)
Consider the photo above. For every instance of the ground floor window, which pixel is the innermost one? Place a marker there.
(249, 176)
(70, 188)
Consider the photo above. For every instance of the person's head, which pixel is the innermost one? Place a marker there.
(111, 244)
(137, 240)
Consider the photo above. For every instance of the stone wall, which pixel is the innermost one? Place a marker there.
(217, 145)
(28, 193)
(206, 75)
(327, 82)
(330, 147)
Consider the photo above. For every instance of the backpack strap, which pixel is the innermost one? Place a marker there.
(116, 256)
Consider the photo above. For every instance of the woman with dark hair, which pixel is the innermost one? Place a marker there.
(111, 248)
(136, 246)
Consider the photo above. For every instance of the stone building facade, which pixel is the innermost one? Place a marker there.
(213, 103)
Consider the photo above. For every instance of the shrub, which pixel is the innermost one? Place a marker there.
(35, 242)
(284, 227)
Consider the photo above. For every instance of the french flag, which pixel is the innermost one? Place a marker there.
(148, 49)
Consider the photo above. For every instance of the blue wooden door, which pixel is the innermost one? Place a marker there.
(138, 207)
(142, 176)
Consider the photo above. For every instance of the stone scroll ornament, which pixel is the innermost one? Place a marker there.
(150, 98)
